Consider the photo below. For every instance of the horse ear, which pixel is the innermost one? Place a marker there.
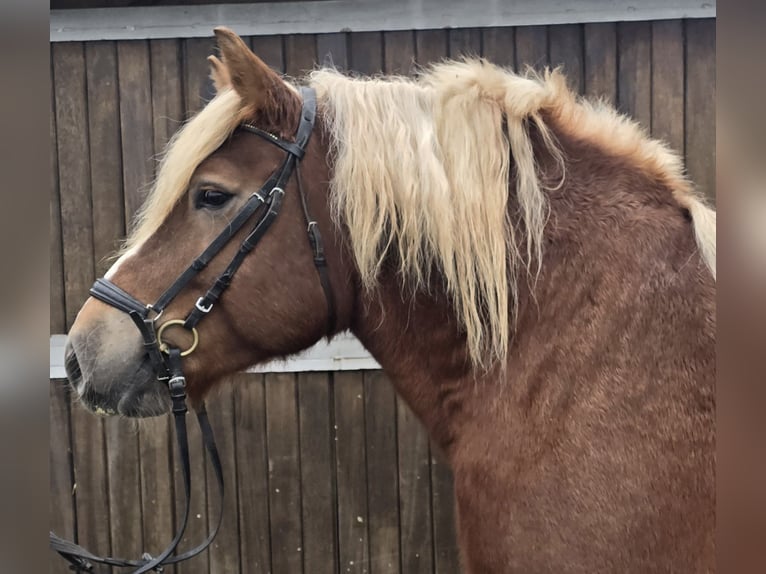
(252, 79)
(219, 74)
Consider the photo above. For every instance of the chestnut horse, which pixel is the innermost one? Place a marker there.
(534, 274)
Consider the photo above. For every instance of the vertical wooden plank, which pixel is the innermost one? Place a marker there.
(105, 151)
(634, 81)
(668, 82)
(332, 50)
(135, 122)
(269, 49)
(499, 46)
(124, 471)
(414, 492)
(157, 488)
(74, 173)
(366, 52)
(353, 556)
(431, 46)
(601, 60)
(94, 524)
(284, 474)
(167, 91)
(531, 47)
(446, 551)
(224, 551)
(566, 50)
(252, 472)
(57, 314)
(300, 54)
(317, 474)
(700, 104)
(382, 473)
(62, 497)
(399, 52)
(464, 42)
(198, 87)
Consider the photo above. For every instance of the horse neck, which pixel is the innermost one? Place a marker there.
(612, 234)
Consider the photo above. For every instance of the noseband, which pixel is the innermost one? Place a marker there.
(166, 359)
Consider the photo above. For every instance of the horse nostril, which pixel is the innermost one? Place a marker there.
(72, 366)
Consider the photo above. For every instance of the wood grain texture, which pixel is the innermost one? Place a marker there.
(431, 46)
(270, 49)
(105, 152)
(499, 46)
(446, 552)
(366, 52)
(399, 52)
(317, 474)
(700, 104)
(634, 93)
(57, 305)
(198, 87)
(567, 50)
(415, 527)
(353, 517)
(73, 174)
(157, 487)
(284, 474)
(382, 473)
(224, 551)
(91, 482)
(464, 42)
(252, 473)
(601, 60)
(332, 50)
(300, 54)
(167, 91)
(61, 515)
(136, 126)
(531, 47)
(668, 83)
(123, 467)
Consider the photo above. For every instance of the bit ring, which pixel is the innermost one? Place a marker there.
(177, 322)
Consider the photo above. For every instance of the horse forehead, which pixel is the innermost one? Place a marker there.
(238, 157)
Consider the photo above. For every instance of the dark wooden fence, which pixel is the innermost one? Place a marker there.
(326, 472)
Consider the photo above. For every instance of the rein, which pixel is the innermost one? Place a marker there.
(166, 360)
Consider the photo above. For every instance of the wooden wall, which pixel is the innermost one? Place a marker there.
(326, 472)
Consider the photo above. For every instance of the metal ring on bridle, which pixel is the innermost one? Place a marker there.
(164, 346)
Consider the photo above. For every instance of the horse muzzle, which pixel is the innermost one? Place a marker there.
(129, 388)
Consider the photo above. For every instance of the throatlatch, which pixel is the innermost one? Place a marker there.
(167, 360)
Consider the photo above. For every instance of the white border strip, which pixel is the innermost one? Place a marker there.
(320, 16)
(343, 353)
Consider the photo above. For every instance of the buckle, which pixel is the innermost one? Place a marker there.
(203, 308)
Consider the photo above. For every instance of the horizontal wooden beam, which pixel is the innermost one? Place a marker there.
(353, 16)
(343, 353)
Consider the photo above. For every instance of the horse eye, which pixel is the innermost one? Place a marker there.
(212, 198)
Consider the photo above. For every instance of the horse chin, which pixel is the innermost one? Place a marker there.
(138, 395)
(143, 403)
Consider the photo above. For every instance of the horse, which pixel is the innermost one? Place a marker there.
(533, 272)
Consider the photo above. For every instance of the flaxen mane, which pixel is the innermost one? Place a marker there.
(421, 167)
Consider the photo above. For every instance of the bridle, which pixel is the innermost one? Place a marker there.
(166, 359)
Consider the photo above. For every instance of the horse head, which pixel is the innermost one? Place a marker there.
(274, 305)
